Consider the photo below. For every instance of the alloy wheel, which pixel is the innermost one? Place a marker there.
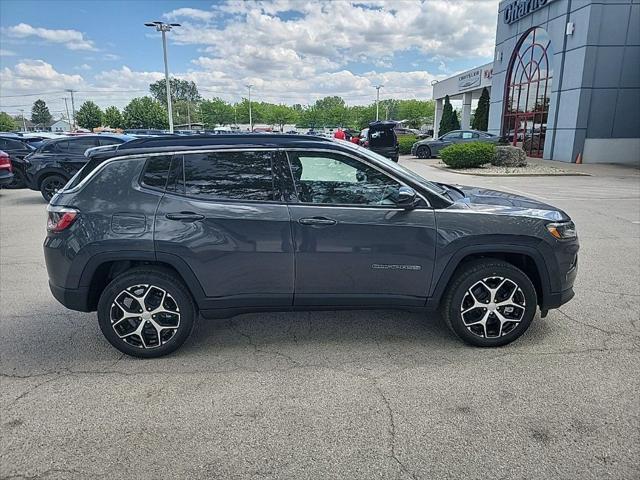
(493, 307)
(51, 187)
(145, 316)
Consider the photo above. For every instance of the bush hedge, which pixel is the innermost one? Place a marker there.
(509, 156)
(468, 155)
(405, 143)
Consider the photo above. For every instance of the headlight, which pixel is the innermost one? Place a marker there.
(562, 230)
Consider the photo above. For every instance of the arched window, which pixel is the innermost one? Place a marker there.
(528, 91)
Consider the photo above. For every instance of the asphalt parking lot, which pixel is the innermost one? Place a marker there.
(357, 395)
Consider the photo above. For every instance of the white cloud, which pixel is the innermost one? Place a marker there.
(84, 66)
(7, 53)
(111, 56)
(193, 13)
(72, 39)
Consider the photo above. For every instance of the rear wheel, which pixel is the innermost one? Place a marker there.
(50, 185)
(146, 312)
(423, 152)
(489, 303)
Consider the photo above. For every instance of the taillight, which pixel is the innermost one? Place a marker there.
(60, 218)
(5, 163)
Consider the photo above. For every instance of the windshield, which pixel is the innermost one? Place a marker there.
(393, 166)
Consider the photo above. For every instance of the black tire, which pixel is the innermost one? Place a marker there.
(153, 278)
(490, 270)
(17, 182)
(50, 185)
(423, 152)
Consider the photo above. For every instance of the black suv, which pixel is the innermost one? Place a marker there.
(56, 161)
(155, 231)
(381, 138)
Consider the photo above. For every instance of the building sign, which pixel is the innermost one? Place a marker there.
(469, 79)
(521, 8)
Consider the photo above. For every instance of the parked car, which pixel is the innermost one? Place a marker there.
(158, 231)
(17, 148)
(56, 161)
(6, 170)
(381, 138)
(430, 148)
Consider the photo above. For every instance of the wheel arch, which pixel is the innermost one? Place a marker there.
(103, 268)
(527, 259)
(42, 174)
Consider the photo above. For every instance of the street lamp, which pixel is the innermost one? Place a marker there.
(250, 118)
(378, 87)
(164, 28)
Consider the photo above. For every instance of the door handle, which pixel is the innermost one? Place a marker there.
(185, 216)
(323, 221)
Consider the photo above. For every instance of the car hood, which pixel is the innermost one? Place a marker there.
(496, 202)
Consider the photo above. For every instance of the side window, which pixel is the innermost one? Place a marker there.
(108, 141)
(156, 171)
(336, 179)
(451, 136)
(227, 175)
(468, 135)
(3, 144)
(79, 146)
(56, 147)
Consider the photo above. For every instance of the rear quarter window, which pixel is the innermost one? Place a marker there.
(156, 172)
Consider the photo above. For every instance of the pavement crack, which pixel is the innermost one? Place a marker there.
(605, 331)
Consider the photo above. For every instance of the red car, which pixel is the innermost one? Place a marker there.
(6, 170)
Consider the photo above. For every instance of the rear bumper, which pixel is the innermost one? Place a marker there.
(72, 298)
(6, 178)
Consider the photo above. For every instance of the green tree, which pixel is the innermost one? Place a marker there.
(311, 117)
(361, 116)
(113, 118)
(144, 112)
(181, 90)
(242, 111)
(455, 122)
(416, 112)
(280, 115)
(447, 121)
(481, 115)
(7, 123)
(216, 112)
(89, 116)
(40, 115)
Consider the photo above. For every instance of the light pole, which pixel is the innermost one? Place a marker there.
(24, 123)
(378, 87)
(164, 28)
(250, 118)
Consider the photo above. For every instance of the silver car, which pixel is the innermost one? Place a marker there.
(429, 148)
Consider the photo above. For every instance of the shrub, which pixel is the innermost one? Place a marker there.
(468, 155)
(405, 142)
(509, 156)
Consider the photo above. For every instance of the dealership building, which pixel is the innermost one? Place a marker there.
(565, 80)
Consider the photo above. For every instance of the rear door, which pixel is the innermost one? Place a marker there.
(223, 214)
(353, 245)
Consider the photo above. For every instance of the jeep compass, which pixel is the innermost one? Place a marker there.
(156, 232)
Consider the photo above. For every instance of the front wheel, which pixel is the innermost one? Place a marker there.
(146, 312)
(423, 152)
(50, 186)
(489, 303)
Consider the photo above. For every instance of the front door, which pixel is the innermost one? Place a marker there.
(222, 214)
(353, 246)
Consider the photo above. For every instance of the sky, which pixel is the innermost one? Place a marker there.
(292, 51)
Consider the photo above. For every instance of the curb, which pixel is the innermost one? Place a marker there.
(560, 174)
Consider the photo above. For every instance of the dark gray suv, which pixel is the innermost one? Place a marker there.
(156, 231)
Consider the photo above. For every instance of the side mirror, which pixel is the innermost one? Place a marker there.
(407, 198)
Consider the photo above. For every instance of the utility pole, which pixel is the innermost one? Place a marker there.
(188, 114)
(24, 123)
(66, 106)
(73, 110)
(164, 28)
(378, 87)
(250, 118)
